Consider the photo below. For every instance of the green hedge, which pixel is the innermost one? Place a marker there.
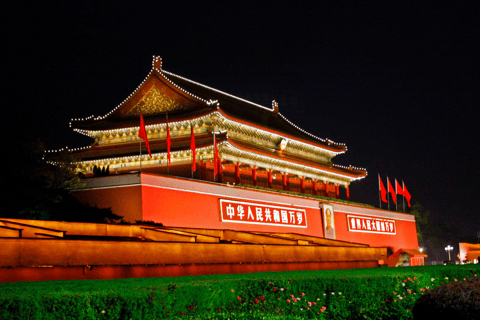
(381, 293)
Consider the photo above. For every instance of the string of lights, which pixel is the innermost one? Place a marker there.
(210, 102)
(300, 168)
(216, 118)
(219, 113)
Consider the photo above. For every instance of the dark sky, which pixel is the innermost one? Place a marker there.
(398, 83)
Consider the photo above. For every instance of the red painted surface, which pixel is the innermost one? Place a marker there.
(261, 214)
(120, 272)
(416, 257)
(469, 251)
(196, 204)
(417, 261)
(201, 208)
(125, 201)
(405, 237)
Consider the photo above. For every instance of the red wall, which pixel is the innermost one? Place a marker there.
(405, 236)
(124, 196)
(194, 204)
(182, 202)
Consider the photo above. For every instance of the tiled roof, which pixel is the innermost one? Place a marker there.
(246, 110)
(207, 99)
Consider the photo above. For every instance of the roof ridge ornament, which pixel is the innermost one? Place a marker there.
(275, 106)
(213, 102)
(157, 63)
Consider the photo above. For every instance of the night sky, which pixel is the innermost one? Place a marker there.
(398, 83)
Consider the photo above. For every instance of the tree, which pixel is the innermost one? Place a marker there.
(38, 189)
(432, 234)
(421, 219)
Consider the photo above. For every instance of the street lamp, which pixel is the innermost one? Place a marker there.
(448, 249)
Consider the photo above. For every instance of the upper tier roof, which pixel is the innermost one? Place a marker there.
(228, 148)
(163, 92)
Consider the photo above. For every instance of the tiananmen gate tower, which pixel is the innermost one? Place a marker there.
(232, 185)
(256, 145)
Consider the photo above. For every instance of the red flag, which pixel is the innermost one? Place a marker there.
(192, 147)
(398, 188)
(169, 142)
(383, 192)
(215, 157)
(142, 134)
(406, 194)
(392, 191)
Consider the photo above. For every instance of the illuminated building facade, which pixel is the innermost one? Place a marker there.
(256, 145)
(264, 192)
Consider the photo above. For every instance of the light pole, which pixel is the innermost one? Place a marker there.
(448, 249)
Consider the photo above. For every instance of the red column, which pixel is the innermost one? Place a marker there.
(337, 191)
(270, 178)
(348, 192)
(284, 181)
(302, 185)
(237, 173)
(214, 176)
(254, 175)
(314, 187)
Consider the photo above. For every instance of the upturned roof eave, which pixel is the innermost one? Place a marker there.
(191, 115)
(299, 161)
(222, 97)
(105, 122)
(134, 122)
(334, 148)
(180, 144)
(110, 121)
(132, 148)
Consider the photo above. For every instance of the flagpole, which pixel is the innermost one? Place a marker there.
(140, 155)
(214, 162)
(403, 198)
(193, 157)
(140, 144)
(396, 194)
(379, 192)
(168, 154)
(388, 193)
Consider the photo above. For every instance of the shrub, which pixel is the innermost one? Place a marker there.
(456, 300)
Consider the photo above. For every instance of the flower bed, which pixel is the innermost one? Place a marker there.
(382, 293)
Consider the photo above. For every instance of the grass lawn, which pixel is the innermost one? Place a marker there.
(378, 293)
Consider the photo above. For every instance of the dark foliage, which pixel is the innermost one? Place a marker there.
(457, 300)
(149, 222)
(70, 209)
(38, 189)
(101, 172)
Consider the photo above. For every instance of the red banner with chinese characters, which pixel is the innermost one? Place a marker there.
(263, 214)
(371, 225)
